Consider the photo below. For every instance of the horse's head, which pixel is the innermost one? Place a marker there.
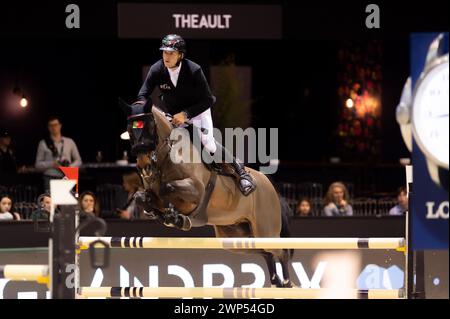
(145, 126)
(142, 131)
(141, 128)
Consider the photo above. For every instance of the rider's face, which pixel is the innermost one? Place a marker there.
(171, 58)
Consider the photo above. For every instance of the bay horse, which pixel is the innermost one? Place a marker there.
(174, 190)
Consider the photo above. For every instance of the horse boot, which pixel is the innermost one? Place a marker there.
(170, 217)
(244, 180)
(174, 219)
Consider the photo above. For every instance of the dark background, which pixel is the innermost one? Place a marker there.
(79, 74)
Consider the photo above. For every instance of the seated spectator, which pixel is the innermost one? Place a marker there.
(131, 183)
(43, 212)
(402, 203)
(7, 209)
(88, 205)
(303, 208)
(54, 151)
(336, 201)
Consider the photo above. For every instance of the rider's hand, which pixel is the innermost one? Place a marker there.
(179, 118)
(139, 103)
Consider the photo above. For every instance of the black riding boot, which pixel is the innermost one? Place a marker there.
(245, 180)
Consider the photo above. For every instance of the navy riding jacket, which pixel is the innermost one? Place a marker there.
(191, 95)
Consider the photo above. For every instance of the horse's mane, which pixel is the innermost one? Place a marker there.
(163, 126)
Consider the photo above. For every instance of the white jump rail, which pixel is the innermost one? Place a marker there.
(245, 243)
(38, 273)
(237, 293)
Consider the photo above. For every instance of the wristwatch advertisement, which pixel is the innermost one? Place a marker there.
(424, 113)
(423, 116)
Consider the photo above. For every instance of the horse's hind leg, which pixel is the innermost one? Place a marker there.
(261, 228)
(243, 230)
(284, 260)
(275, 281)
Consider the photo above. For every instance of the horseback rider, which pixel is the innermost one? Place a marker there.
(186, 95)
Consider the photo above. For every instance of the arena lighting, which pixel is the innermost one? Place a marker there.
(349, 103)
(23, 101)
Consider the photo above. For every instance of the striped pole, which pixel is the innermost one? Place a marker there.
(37, 273)
(238, 293)
(246, 243)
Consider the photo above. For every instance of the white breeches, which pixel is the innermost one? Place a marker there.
(204, 120)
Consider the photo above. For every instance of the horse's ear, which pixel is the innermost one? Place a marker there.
(125, 107)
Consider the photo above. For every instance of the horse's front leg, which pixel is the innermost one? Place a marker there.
(150, 203)
(183, 194)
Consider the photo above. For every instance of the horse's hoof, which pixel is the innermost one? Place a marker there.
(288, 284)
(180, 222)
(276, 282)
(186, 223)
(150, 214)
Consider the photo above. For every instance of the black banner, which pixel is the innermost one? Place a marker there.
(139, 20)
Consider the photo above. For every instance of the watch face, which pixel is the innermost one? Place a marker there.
(430, 114)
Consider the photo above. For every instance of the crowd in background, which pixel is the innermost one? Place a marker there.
(88, 204)
(337, 202)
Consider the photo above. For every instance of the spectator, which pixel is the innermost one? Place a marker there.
(43, 212)
(402, 203)
(7, 156)
(131, 183)
(336, 201)
(55, 151)
(303, 208)
(7, 209)
(88, 205)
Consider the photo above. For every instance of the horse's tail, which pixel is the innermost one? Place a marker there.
(285, 230)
